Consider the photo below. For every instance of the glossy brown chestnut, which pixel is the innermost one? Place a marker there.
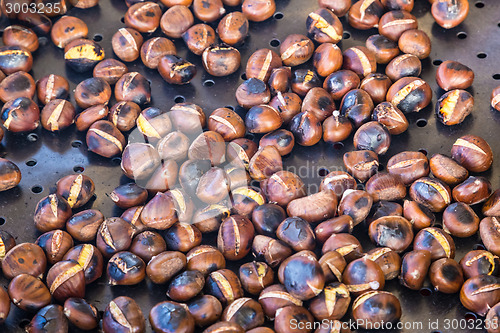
(83, 225)
(410, 94)
(340, 82)
(114, 235)
(176, 21)
(332, 303)
(175, 70)
(110, 70)
(386, 186)
(154, 49)
(337, 225)
(363, 275)
(391, 117)
(276, 297)
(125, 268)
(339, 8)
(57, 115)
(90, 258)
(415, 42)
(187, 118)
(324, 26)
(446, 276)
(383, 48)
(490, 235)
(225, 285)
(414, 268)
(18, 84)
(327, 59)
(52, 87)
(205, 310)
(472, 191)
(304, 80)
(221, 60)
(233, 29)
(376, 307)
(182, 237)
(305, 265)
(449, 13)
(133, 87)
(279, 81)
(296, 49)
(245, 312)
(143, 16)
(491, 206)
(235, 237)
(307, 129)
(372, 136)
(10, 175)
(282, 139)
(376, 85)
(409, 165)
(7, 242)
(266, 161)
(479, 262)
(252, 92)
(55, 243)
(360, 60)
(436, 241)
(431, 193)
(258, 10)
(67, 29)
(454, 75)
(447, 170)
(133, 217)
(208, 11)
(20, 115)
(394, 232)
(185, 286)
(127, 44)
(91, 92)
(162, 267)
(333, 265)
(365, 14)
(209, 218)
(405, 65)
(393, 23)
(480, 293)
(66, 279)
(81, 314)
(154, 123)
(493, 316)
(261, 64)
(39, 22)
(293, 313)
(76, 189)
(262, 119)
(388, 260)
(319, 102)
(50, 316)
(18, 35)
(297, 233)
(271, 250)
(28, 293)
(314, 207)
(205, 259)
(103, 138)
(419, 215)
(288, 104)
(148, 244)
(362, 164)
(199, 37)
(227, 123)
(123, 314)
(255, 276)
(336, 128)
(51, 213)
(473, 153)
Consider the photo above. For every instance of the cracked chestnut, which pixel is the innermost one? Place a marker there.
(66, 279)
(55, 243)
(472, 191)
(67, 29)
(123, 314)
(296, 49)
(438, 242)
(245, 312)
(394, 232)
(90, 258)
(403, 66)
(332, 303)
(83, 225)
(447, 170)
(185, 286)
(376, 307)
(479, 262)
(473, 153)
(162, 267)
(235, 237)
(225, 285)
(125, 269)
(324, 26)
(383, 48)
(126, 43)
(103, 138)
(393, 23)
(365, 14)
(432, 193)
(143, 16)
(480, 293)
(410, 94)
(454, 106)
(111, 70)
(208, 10)
(20, 115)
(51, 316)
(175, 70)
(233, 28)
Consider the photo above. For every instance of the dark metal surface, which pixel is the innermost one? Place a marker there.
(45, 157)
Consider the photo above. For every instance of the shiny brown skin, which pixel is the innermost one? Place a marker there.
(57, 115)
(384, 208)
(225, 285)
(288, 104)
(108, 146)
(20, 115)
(473, 153)
(447, 170)
(454, 75)
(365, 14)
(51, 87)
(206, 259)
(297, 233)
(304, 80)
(176, 21)
(403, 66)
(255, 276)
(479, 262)
(143, 17)
(446, 276)
(293, 313)
(336, 225)
(415, 42)
(133, 217)
(125, 269)
(279, 81)
(154, 123)
(493, 316)
(81, 314)
(360, 60)
(221, 60)
(258, 10)
(55, 243)
(336, 128)
(436, 241)
(327, 59)
(339, 8)
(62, 287)
(388, 260)
(46, 218)
(199, 37)
(490, 235)
(205, 310)
(495, 96)
(449, 13)
(50, 316)
(282, 139)
(480, 293)
(376, 307)
(245, 312)
(233, 28)
(148, 244)
(153, 49)
(419, 215)
(67, 29)
(323, 26)
(262, 119)
(431, 193)
(414, 268)
(82, 55)
(139, 161)
(376, 85)
(296, 49)
(307, 129)
(394, 232)
(90, 258)
(162, 267)
(282, 187)
(4, 305)
(40, 23)
(208, 11)
(472, 191)
(114, 235)
(18, 35)
(491, 206)
(305, 265)
(235, 237)
(126, 43)
(244, 198)
(182, 237)
(333, 264)
(124, 115)
(314, 207)
(363, 275)
(340, 82)
(409, 165)
(410, 94)
(18, 84)
(454, 106)
(319, 102)
(187, 118)
(92, 91)
(357, 106)
(276, 297)
(372, 136)
(386, 186)
(271, 250)
(209, 218)
(265, 163)
(28, 293)
(261, 64)
(252, 92)
(185, 286)
(383, 48)
(191, 171)
(362, 164)
(224, 326)
(10, 175)
(175, 70)
(391, 117)
(393, 23)
(332, 303)
(14, 59)
(110, 70)
(338, 182)
(123, 314)
(133, 87)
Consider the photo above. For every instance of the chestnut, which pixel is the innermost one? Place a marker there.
(4, 305)
(454, 75)
(489, 232)
(28, 293)
(307, 129)
(205, 259)
(18, 84)
(20, 115)
(266, 161)
(67, 29)
(221, 60)
(182, 237)
(227, 123)
(491, 206)
(139, 161)
(81, 314)
(436, 241)
(386, 186)
(255, 276)
(363, 275)
(403, 66)
(304, 80)
(148, 244)
(279, 81)
(288, 104)
(233, 29)
(66, 279)
(209, 218)
(339, 8)
(154, 123)
(391, 117)
(275, 297)
(162, 267)
(332, 303)
(419, 215)
(90, 115)
(235, 237)
(493, 317)
(51, 213)
(406, 5)
(176, 21)
(415, 42)
(376, 85)
(125, 268)
(271, 250)
(338, 182)
(261, 64)
(51, 316)
(393, 23)
(258, 10)
(473, 153)
(123, 314)
(282, 139)
(10, 175)
(83, 54)
(446, 276)
(362, 164)
(18, 35)
(92, 91)
(394, 232)
(449, 13)
(383, 48)
(143, 16)
(133, 217)
(76, 189)
(51, 87)
(372, 136)
(447, 170)
(431, 193)
(327, 59)
(454, 106)
(57, 115)
(388, 260)
(324, 26)
(187, 118)
(360, 60)
(126, 43)
(7, 242)
(460, 220)
(55, 243)
(128, 195)
(297, 233)
(39, 22)
(409, 165)
(410, 94)
(480, 293)
(114, 235)
(185, 286)
(83, 225)
(205, 310)
(110, 70)
(315, 207)
(336, 225)
(336, 128)
(295, 49)
(414, 268)
(124, 115)
(252, 92)
(208, 11)
(479, 262)
(333, 265)
(293, 314)
(225, 285)
(365, 14)
(133, 87)
(376, 307)
(495, 99)
(90, 258)
(152, 50)
(245, 312)
(302, 275)
(356, 204)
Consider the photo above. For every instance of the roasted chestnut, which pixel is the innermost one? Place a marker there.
(302, 275)
(123, 314)
(394, 232)
(51, 316)
(454, 106)
(221, 60)
(245, 312)
(414, 268)
(295, 49)
(133, 87)
(431, 193)
(258, 10)
(55, 243)
(480, 293)
(479, 262)
(473, 153)
(235, 237)
(436, 241)
(162, 267)
(383, 48)
(449, 13)
(10, 175)
(90, 258)
(110, 70)
(233, 28)
(81, 314)
(365, 14)
(176, 21)
(393, 23)
(324, 26)
(360, 60)
(127, 44)
(410, 94)
(224, 285)
(20, 115)
(66, 279)
(376, 307)
(363, 275)
(28, 293)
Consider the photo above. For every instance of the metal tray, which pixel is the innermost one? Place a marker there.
(45, 157)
